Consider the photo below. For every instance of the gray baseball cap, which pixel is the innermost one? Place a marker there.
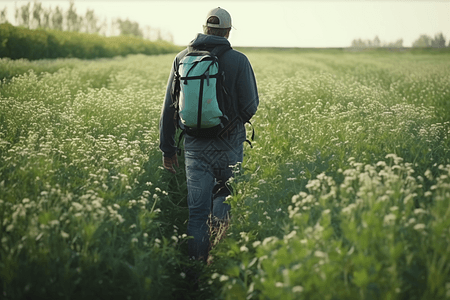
(223, 16)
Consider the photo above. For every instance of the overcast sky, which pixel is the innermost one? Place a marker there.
(320, 23)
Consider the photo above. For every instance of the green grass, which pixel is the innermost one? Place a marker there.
(345, 194)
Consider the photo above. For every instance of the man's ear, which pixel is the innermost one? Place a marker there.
(228, 33)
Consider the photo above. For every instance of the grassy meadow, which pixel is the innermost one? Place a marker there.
(344, 195)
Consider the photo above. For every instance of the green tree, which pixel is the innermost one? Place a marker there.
(127, 27)
(358, 43)
(57, 19)
(3, 16)
(16, 16)
(103, 27)
(376, 42)
(158, 33)
(72, 18)
(46, 18)
(24, 15)
(423, 41)
(90, 22)
(36, 15)
(397, 44)
(438, 41)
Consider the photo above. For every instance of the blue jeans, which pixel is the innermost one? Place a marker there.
(207, 173)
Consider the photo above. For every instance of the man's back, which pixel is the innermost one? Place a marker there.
(240, 84)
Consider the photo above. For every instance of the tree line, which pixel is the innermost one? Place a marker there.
(35, 16)
(20, 42)
(424, 41)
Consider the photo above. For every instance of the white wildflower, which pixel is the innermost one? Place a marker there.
(320, 254)
(393, 208)
(54, 223)
(290, 235)
(418, 211)
(64, 234)
(419, 226)
(389, 219)
(77, 205)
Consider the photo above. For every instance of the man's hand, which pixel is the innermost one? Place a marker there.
(169, 162)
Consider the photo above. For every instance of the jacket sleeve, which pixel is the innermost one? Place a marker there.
(247, 90)
(167, 127)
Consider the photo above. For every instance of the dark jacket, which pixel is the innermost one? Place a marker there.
(240, 83)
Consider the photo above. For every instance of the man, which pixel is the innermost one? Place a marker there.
(208, 160)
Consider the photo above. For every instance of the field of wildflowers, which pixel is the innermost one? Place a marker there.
(344, 195)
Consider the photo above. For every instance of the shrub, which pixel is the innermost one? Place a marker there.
(18, 42)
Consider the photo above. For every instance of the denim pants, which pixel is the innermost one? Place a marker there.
(207, 173)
